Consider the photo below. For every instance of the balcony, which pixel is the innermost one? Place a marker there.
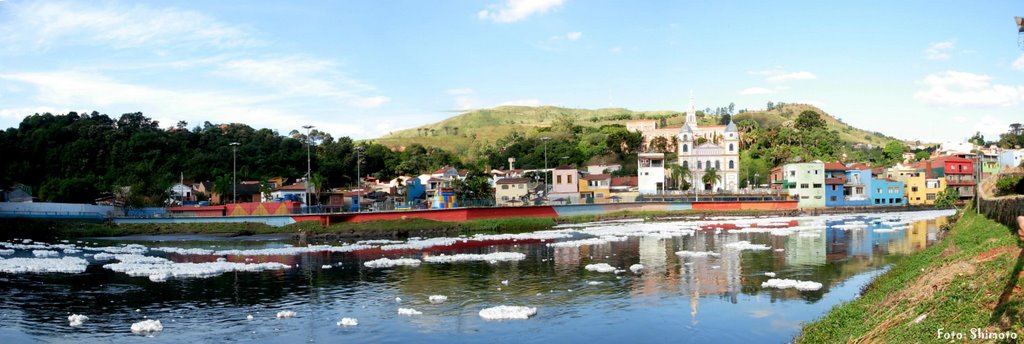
(836, 180)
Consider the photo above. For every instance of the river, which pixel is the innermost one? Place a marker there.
(728, 279)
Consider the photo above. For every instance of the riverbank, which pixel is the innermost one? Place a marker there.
(970, 281)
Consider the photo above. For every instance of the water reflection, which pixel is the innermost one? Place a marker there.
(704, 299)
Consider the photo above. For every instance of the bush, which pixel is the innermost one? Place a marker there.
(1007, 184)
(947, 198)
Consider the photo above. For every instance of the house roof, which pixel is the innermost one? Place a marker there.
(504, 181)
(858, 166)
(292, 187)
(603, 176)
(950, 158)
(624, 181)
(835, 166)
(444, 169)
(565, 167)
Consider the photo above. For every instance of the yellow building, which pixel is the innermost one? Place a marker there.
(922, 190)
(596, 187)
(512, 191)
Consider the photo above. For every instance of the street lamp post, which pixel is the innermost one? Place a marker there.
(234, 171)
(545, 139)
(308, 165)
(756, 178)
(359, 178)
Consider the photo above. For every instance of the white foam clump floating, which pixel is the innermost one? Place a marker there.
(408, 311)
(387, 263)
(126, 249)
(590, 242)
(595, 283)
(325, 267)
(103, 256)
(746, 245)
(378, 242)
(4, 252)
(788, 283)
(507, 312)
(285, 314)
(147, 326)
(348, 322)
(159, 269)
(696, 254)
(769, 274)
(76, 320)
(248, 317)
(600, 267)
(437, 298)
(45, 253)
(63, 265)
(636, 268)
(490, 257)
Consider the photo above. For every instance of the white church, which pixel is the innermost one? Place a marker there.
(701, 148)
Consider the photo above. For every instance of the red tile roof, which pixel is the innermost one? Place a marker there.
(945, 159)
(503, 181)
(291, 187)
(835, 166)
(597, 176)
(624, 181)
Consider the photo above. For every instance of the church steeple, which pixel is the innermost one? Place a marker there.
(691, 114)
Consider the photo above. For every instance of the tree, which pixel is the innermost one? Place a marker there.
(223, 187)
(809, 120)
(725, 119)
(711, 176)
(316, 185)
(978, 139)
(659, 144)
(893, 151)
(678, 176)
(922, 155)
(947, 198)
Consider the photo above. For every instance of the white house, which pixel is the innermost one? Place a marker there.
(296, 191)
(1011, 157)
(651, 172)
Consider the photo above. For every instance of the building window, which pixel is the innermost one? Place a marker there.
(686, 148)
(686, 164)
(878, 190)
(913, 189)
(804, 197)
(792, 173)
(503, 187)
(833, 198)
(878, 201)
(930, 197)
(899, 200)
(732, 164)
(698, 165)
(803, 186)
(568, 179)
(718, 165)
(600, 195)
(521, 186)
(730, 147)
(504, 198)
(817, 186)
(558, 179)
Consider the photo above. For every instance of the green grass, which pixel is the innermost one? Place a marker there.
(956, 282)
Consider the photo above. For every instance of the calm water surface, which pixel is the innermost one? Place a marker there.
(677, 299)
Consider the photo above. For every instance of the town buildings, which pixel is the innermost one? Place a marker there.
(651, 173)
(806, 183)
(512, 191)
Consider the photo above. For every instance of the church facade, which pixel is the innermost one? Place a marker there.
(701, 148)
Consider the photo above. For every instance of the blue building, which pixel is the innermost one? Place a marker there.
(886, 192)
(835, 184)
(857, 190)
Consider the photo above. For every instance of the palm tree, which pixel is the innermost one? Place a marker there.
(316, 184)
(222, 187)
(711, 176)
(678, 176)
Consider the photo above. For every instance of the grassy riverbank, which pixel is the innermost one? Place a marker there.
(969, 280)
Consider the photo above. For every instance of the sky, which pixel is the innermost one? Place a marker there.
(933, 71)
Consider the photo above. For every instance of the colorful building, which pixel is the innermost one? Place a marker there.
(595, 188)
(806, 183)
(564, 185)
(958, 172)
(512, 191)
(922, 190)
(1011, 158)
(835, 181)
(857, 189)
(886, 192)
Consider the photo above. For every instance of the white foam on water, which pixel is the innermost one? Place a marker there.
(76, 320)
(600, 267)
(462, 257)
(285, 314)
(378, 242)
(248, 317)
(788, 283)
(103, 256)
(147, 326)
(41, 265)
(595, 283)
(437, 298)
(387, 262)
(507, 312)
(408, 311)
(325, 267)
(697, 254)
(505, 282)
(348, 322)
(398, 299)
(769, 274)
(5, 252)
(45, 253)
(126, 249)
(636, 268)
(71, 251)
(746, 245)
(159, 271)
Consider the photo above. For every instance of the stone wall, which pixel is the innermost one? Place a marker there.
(1003, 209)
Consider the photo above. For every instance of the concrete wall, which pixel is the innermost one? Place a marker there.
(56, 210)
(276, 221)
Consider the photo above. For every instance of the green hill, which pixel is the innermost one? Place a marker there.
(463, 133)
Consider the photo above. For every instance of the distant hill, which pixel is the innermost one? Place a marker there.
(462, 133)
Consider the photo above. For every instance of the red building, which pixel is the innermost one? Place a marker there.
(959, 174)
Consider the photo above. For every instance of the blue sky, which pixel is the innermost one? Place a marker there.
(928, 70)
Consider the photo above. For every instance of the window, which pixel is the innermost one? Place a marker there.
(930, 197)
(817, 186)
(913, 189)
(878, 190)
(521, 186)
(878, 201)
(503, 187)
(817, 197)
(559, 180)
(792, 173)
(816, 171)
(718, 165)
(686, 164)
(698, 165)
(803, 186)
(732, 164)
(568, 179)
(504, 198)
(730, 147)
(707, 164)
(833, 198)
(804, 197)
(600, 195)
(686, 148)
(899, 200)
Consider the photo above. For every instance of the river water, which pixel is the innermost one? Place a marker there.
(700, 281)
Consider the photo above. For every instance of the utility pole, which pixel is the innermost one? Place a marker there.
(545, 139)
(308, 165)
(234, 172)
(359, 178)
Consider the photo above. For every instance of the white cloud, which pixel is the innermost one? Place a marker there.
(990, 127)
(1018, 64)
(574, 36)
(20, 113)
(953, 88)
(939, 51)
(522, 102)
(303, 77)
(465, 98)
(96, 91)
(780, 75)
(43, 24)
(756, 90)
(516, 10)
